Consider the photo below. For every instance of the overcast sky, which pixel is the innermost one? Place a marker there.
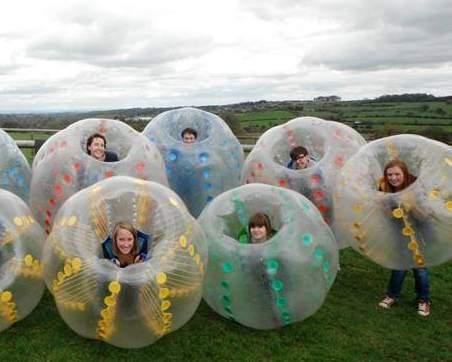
(84, 55)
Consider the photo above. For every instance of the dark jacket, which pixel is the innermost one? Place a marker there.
(111, 156)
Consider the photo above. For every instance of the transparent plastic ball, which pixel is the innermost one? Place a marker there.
(201, 170)
(399, 230)
(134, 305)
(273, 283)
(21, 242)
(63, 166)
(15, 173)
(329, 145)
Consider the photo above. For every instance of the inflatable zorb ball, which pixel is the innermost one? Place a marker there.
(134, 306)
(199, 171)
(62, 166)
(275, 283)
(408, 229)
(21, 242)
(15, 173)
(330, 144)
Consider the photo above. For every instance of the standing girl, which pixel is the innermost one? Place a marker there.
(396, 178)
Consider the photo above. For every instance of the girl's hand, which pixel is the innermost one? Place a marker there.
(138, 259)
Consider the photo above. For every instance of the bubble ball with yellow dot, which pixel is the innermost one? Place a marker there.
(408, 229)
(63, 166)
(15, 173)
(132, 306)
(279, 281)
(21, 242)
(203, 166)
(329, 145)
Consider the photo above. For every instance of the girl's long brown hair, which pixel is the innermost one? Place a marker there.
(125, 259)
(408, 178)
(260, 219)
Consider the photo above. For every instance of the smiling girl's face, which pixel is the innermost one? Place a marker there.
(395, 177)
(97, 149)
(258, 233)
(124, 241)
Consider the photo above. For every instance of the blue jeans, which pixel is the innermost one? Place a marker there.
(421, 284)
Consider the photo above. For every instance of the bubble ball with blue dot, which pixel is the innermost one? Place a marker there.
(15, 173)
(409, 227)
(203, 158)
(266, 283)
(21, 242)
(84, 153)
(305, 155)
(135, 303)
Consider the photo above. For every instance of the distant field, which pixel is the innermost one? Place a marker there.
(371, 119)
(266, 115)
(415, 113)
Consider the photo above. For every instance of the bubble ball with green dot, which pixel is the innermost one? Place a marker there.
(272, 281)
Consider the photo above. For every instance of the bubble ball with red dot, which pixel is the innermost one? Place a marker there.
(63, 166)
(280, 280)
(21, 268)
(329, 145)
(200, 170)
(15, 173)
(405, 229)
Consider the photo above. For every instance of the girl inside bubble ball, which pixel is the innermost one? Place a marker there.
(259, 230)
(396, 177)
(125, 245)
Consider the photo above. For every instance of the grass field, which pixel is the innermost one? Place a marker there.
(397, 115)
(372, 119)
(348, 327)
(28, 152)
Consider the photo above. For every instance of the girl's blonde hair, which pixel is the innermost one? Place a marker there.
(125, 259)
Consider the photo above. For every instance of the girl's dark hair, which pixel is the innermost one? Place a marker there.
(189, 131)
(260, 219)
(91, 139)
(297, 152)
(408, 178)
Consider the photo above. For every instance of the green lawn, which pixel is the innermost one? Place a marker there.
(400, 117)
(373, 119)
(29, 152)
(348, 327)
(267, 115)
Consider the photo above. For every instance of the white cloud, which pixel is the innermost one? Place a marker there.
(110, 54)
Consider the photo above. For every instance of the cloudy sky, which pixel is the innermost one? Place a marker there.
(84, 55)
